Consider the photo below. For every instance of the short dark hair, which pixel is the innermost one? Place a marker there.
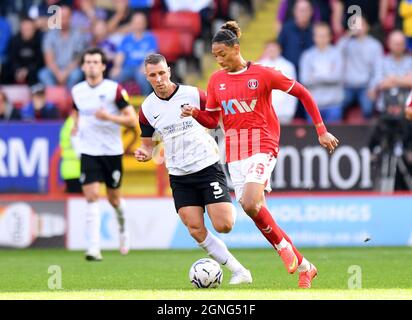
(94, 51)
(228, 34)
(154, 58)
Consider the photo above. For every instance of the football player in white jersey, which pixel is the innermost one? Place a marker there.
(192, 159)
(101, 108)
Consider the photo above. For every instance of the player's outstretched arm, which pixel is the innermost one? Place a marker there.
(145, 151)
(326, 139)
(208, 119)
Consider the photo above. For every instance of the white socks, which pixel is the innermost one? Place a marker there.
(218, 251)
(282, 244)
(93, 226)
(304, 266)
(120, 210)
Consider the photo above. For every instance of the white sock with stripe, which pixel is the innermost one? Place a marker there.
(93, 226)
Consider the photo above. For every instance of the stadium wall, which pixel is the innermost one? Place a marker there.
(314, 220)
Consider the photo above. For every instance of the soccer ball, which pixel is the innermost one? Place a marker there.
(206, 273)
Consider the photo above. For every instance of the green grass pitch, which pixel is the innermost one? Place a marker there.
(386, 273)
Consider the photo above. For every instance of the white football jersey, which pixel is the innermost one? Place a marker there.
(97, 137)
(188, 146)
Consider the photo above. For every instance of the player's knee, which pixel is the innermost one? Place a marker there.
(250, 206)
(197, 232)
(92, 196)
(224, 226)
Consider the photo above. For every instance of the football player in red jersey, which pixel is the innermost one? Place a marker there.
(241, 94)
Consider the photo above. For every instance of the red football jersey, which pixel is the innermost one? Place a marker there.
(244, 99)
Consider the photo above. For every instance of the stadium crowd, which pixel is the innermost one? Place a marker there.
(343, 61)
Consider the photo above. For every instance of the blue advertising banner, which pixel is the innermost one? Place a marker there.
(25, 153)
(324, 221)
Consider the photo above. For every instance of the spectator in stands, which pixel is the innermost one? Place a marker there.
(62, 49)
(87, 15)
(41, 12)
(362, 56)
(101, 40)
(321, 71)
(120, 18)
(296, 37)
(134, 48)
(296, 34)
(7, 111)
(25, 53)
(396, 70)
(39, 108)
(389, 15)
(405, 11)
(141, 5)
(368, 9)
(203, 7)
(284, 104)
(5, 36)
(321, 8)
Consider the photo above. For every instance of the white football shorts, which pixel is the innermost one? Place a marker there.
(257, 168)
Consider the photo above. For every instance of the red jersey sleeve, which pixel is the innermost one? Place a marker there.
(277, 80)
(202, 99)
(212, 103)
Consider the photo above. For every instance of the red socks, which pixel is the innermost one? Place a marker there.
(297, 253)
(267, 225)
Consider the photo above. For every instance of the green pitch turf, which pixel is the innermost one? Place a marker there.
(386, 273)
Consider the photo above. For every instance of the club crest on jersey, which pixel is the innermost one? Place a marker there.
(253, 84)
(222, 86)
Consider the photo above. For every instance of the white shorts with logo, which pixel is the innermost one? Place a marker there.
(257, 168)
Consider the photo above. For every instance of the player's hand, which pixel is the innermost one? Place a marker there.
(408, 113)
(187, 111)
(328, 141)
(142, 155)
(102, 114)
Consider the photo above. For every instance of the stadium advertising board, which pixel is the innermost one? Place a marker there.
(310, 221)
(25, 153)
(303, 164)
(25, 223)
(151, 222)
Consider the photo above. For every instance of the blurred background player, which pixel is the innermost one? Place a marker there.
(192, 159)
(240, 94)
(102, 108)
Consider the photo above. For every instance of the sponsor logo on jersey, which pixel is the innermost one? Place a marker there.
(253, 84)
(234, 106)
